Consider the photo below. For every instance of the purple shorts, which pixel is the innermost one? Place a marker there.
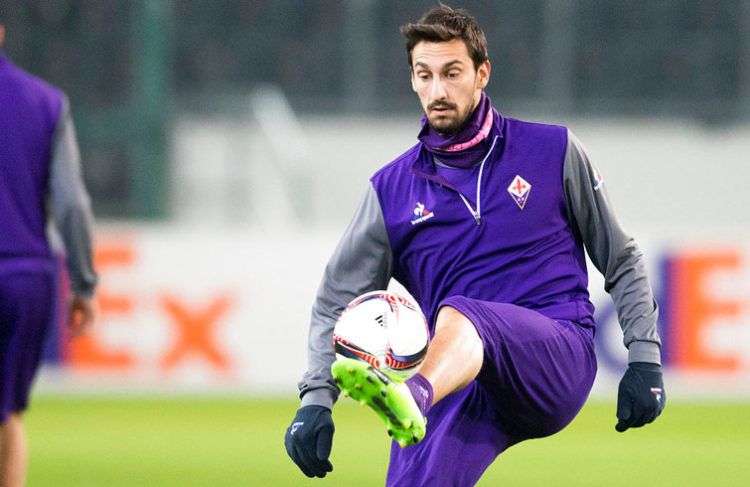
(537, 373)
(27, 303)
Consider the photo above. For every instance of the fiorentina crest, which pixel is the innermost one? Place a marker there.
(519, 190)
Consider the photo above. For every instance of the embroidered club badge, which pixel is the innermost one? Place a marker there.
(519, 190)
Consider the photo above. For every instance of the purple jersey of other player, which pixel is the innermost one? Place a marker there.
(40, 179)
(31, 110)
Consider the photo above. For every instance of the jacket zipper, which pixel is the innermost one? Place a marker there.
(477, 214)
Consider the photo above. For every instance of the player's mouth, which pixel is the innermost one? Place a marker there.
(440, 109)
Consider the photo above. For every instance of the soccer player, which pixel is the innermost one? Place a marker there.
(39, 178)
(484, 221)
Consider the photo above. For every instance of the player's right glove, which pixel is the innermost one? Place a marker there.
(309, 438)
(641, 397)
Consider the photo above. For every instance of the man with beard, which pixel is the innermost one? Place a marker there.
(499, 270)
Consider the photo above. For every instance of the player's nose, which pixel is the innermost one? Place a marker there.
(437, 89)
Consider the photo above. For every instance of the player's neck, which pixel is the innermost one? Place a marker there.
(468, 144)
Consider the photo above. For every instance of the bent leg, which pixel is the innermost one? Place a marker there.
(539, 371)
(453, 360)
(455, 355)
(533, 377)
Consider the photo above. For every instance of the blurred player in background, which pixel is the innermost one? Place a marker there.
(484, 221)
(40, 178)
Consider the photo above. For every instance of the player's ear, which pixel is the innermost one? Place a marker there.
(411, 79)
(483, 74)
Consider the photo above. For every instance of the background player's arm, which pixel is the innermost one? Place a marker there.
(70, 209)
(361, 262)
(613, 252)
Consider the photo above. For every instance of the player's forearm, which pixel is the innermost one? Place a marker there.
(75, 229)
(317, 386)
(637, 311)
(360, 263)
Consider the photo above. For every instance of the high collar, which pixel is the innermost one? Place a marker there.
(462, 139)
(466, 147)
(424, 164)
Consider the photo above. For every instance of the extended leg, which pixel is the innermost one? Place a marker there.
(13, 456)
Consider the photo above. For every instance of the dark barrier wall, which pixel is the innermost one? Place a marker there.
(128, 65)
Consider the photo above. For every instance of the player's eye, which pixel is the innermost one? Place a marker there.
(453, 74)
(423, 76)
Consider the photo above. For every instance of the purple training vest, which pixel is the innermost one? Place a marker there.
(29, 112)
(522, 250)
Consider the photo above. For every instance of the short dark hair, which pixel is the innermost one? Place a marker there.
(442, 24)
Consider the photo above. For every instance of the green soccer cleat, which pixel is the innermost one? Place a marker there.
(387, 396)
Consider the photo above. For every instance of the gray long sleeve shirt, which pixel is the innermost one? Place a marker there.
(69, 207)
(363, 261)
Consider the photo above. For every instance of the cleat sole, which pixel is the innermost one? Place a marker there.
(370, 387)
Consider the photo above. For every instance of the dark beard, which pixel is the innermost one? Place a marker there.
(454, 127)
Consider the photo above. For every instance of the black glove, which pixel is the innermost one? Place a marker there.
(308, 440)
(641, 396)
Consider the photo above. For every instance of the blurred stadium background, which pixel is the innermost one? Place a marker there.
(225, 144)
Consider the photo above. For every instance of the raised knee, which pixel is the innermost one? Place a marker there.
(453, 322)
(447, 313)
(450, 315)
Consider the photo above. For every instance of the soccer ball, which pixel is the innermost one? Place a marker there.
(385, 330)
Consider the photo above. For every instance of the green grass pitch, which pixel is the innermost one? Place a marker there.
(84, 441)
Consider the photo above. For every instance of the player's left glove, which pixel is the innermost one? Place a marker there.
(641, 396)
(308, 440)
